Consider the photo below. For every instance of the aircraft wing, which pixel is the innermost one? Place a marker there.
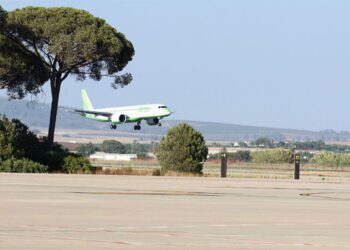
(90, 112)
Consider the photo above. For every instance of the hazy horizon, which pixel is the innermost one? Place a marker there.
(278, 64)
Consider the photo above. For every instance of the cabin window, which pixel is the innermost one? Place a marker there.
(162, 107)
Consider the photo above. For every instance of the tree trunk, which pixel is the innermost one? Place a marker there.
(55, 83)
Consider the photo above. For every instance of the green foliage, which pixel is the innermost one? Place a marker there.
(54, 159)
(87, 149)
(331, 159)
(277, 155)
(22, 151)
(136, 148)
(299, 145)
(240, 156)
(112, 146)
(22, 166)
(71, 41)
(263, 142)
(141, 156)
(183, 149)
(306, 156)
(3, 16)
(310, 145)
(243, 144)
(49, 44)
(75, 164)
(16, 140)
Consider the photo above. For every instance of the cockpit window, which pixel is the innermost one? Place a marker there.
(162, 107)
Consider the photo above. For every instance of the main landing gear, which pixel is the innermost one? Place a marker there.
(137, 126)
(113, 126)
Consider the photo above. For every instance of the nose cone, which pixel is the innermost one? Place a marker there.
(167, 111)
(164, 110)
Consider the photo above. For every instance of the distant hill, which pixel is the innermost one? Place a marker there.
(36, 115)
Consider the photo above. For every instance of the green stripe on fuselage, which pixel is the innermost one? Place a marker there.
(98, 118)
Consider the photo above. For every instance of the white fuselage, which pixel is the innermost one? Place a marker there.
(135, 113)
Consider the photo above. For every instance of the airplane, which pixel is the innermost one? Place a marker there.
(151, 113)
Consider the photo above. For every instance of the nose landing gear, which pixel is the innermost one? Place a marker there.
(113, 126)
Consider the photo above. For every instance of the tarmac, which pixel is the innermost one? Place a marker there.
(51, 211)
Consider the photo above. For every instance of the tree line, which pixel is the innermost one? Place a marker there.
(281, 155)
(265, 142)
(114, 146)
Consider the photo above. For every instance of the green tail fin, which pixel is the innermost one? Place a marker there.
(86, 101)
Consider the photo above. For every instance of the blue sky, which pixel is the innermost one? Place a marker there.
(265, 63)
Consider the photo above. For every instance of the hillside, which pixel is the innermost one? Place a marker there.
(36, 115)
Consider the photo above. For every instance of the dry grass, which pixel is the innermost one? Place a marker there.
(130, 171)
(236, 170)
(144, 172)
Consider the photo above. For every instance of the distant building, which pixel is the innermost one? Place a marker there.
(113, 157)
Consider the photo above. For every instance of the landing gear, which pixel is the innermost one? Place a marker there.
(113, 126)
(159, 124)
(137, 126)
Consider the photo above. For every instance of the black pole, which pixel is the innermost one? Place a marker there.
(297, 166)
(223, 165)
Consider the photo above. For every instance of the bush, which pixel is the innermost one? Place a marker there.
(240, 156)
(22, 166)
(75, 164)
(331, 159)
(135, 147)
(142, 156)
(86, 149)
(183, 149)
(272, 156)
(112, 146)
(54, 160)
(263, 142)
(22, 151)
(17, 141)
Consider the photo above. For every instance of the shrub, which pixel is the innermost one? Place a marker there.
(86, 149)
(277, 155)
(263, 142)
(22, 151)
(183, 149)
(22, 166)
(142, 156)
(75, 164)
(54, 160)
(135, 147)
(240, 156)
(17, 141)
(112, 146)
(331, 159)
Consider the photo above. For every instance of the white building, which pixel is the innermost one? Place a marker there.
(113, 157)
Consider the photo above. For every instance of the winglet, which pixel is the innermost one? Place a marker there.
(86, 101)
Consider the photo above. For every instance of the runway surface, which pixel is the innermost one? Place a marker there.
(127, 212)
